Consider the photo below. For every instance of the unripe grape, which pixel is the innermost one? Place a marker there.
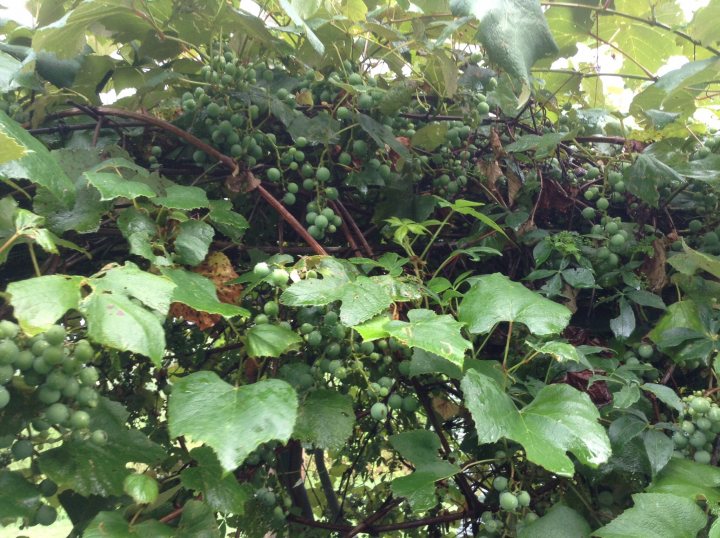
(47, 488)
(524, 498)
(80, 420)
(500, 483)
(379, 411)
(21, 449)
(410, 404)
(8, 352)
(46, 515)
(88, 376)
(508, 501)
(4, 397)
(99, 437)
(702, 456)
(57, 413)
(55, 335)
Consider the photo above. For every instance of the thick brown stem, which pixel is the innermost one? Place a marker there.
(229, 162)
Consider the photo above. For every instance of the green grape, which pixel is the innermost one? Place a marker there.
(24, 359)
(87, 396)
(48, 395)
(714, 414)
(508, 501)
(273, 174)
(333, 350)
(6, 373)
(523, 498)
(645, 351)
(55, 335)
(289, 198)
(410, 404)
(79, 420)
(698, 439)
(53, 355)
(271, 308)
(343, 113)
(703, 423)
(57, 413)
(99, 437)
(21, 449)
(4, 397)
(8, 329)
(700, 404)
(314, 339)
(688, 427)
(88, 376)
(588, 213)
(279, 277)
(46, 515)
(322, 174)
(679, 440)
(83, 351)
(500, 483)
(261, 319)
(293, 188)
(617, 240)
(56, 380)
(47, 488)
(395, 401)
(702, 456)
(71, 388)
(602, 204)
(261, 270)
(8, 352)
(695, 226)
(41, 367)
(359, 147)
(378, 411)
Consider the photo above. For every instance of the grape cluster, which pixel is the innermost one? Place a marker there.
(54, 372)
(45, 380)
(515, 503)
(696, 433)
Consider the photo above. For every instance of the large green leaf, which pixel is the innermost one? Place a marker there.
(193, 242)
(199, 293)
(37, 164)
(198, 521)
(152, 290)
(514, 33)
(559, 522)
(268, 340)
(362, 298)
(91, 469)
(703, 26)
(219, 489)
(234, 421)
(113, 186)
(10, 150)
(690, 260)
(182, 197)
(656, 515)
(325, 419)
(18, 497)
(677, 90)
(495, 298)
(688, 479)
(421, 448)
(680, 315)
(558, 420)
(114, 320)
(646, 174)
(438, 334)
(39, 302)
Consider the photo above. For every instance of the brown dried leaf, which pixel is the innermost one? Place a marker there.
(218, 268)
(599, 392)
(445, 408)
(654, 266)
(242, 182)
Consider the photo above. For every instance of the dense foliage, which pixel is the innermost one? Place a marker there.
(359, 267)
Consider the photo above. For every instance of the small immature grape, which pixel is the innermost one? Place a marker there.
(80, 420)
(410, 404)
(379, 411)
(55, 335)
(83, 351)
(645, 351)
(508, 501)
(602, 204)
(702, 456)
(88, 376)
(700, 404)
(8, 329)
(57, 413)
(6, 374)
(500, 483)
(47, 488)
(523, 498)
(21, 449)
(588, 213)
(4, 397)
(99, 437)
(8, 352)
(395, 401)
(46, 515)
(279, 277)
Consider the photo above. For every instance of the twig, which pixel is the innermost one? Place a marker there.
(229, 162)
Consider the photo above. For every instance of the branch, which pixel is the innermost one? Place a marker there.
(332, 500)
(605, 11)
(229, 162)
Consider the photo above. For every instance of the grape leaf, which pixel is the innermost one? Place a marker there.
(220, 490)
(559, 522)
(233, 421)
(495, 298)
(268, 340)
(39, 302)
(325, 419)
(558, 420)
(656, 515)
(193, 242)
